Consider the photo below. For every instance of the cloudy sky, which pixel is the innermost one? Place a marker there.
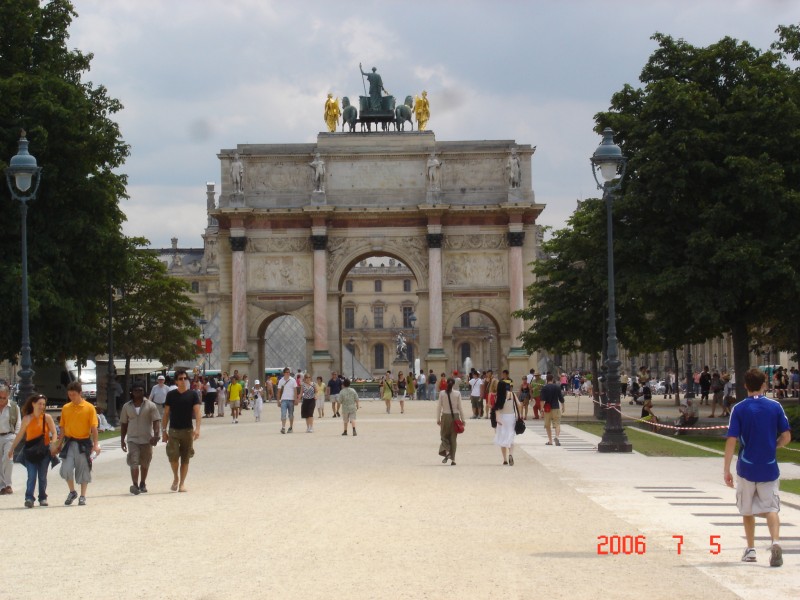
(196, 76)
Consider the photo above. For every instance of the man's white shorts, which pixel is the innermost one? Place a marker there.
(756, 498)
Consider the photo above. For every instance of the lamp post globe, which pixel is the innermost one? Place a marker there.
(23, 176)
(609, 163)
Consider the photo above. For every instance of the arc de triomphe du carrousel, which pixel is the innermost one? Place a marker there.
(291, 220)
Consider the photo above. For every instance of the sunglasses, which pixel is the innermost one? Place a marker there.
(181, 379)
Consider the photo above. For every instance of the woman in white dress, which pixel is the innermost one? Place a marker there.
(258, 400)
(507, 407)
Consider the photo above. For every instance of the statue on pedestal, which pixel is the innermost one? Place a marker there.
(318, 165)
(422, 110)
(375, 88)
(434, 168)
(237, 174)
(332, 113)
(514, 170)
(401, 347)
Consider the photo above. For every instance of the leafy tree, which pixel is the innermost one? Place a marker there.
(712, 193)
(153, 314)
(567, 301)
(75, 243)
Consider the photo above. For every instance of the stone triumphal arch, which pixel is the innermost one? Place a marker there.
(291, 220)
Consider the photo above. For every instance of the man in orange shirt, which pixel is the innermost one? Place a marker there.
(79, 436)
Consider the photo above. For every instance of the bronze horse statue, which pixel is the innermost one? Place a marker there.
(403, 113)
(349, 114)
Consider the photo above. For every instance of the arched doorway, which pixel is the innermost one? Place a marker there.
(282, 343)
(379, 315)
(475, 336)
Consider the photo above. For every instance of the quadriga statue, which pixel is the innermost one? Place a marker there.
(349, 114)
(403, 113)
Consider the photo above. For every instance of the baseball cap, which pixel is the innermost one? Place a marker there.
(161, 378)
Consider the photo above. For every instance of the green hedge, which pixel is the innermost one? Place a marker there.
(793, 414)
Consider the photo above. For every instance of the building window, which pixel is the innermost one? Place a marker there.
(378, 314)
(378, 285)
(466, 352)
(378, 357)
(406, 285)
(349, 317)
(195, 287)
(407, 312)
(465, 320)
(348, 286)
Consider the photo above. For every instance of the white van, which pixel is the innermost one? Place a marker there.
(52, 380)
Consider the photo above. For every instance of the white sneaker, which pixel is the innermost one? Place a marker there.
(749, 555)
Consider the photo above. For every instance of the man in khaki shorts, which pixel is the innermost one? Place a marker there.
(552, 399)
(140, 422)
(181, 406)
(760, 426)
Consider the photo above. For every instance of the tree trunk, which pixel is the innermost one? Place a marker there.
(126, 386)
(677, 378)
(741, 356)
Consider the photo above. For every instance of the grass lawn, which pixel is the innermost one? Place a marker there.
(650, 445)
(104, 435)
(790, 485)
(668, 446)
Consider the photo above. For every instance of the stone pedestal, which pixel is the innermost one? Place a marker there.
(236, 200)
(318, 198)
(518, 364)
(241, 361)
(436, 359)
(321, 363)
(433, 197)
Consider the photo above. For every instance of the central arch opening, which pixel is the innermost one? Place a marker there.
(380, 324)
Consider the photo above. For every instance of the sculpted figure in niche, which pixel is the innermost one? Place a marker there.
(211, 253)
(434, 167)
(318, 165)
(422, 110)
(401, 346)
(514, 170)
(237, 174)
(375, 87)
(332, 113)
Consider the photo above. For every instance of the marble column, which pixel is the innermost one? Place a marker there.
(515, 285)
(435, 344)
(518, 358)
(239, 294)
(320, 244)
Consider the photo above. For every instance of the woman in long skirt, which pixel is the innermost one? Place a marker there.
(222, 395)
(505, 406)
(448, 408)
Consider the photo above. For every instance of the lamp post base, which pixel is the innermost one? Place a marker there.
(615, 445)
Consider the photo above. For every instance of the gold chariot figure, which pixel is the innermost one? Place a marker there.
(332, 113)
(422, 110)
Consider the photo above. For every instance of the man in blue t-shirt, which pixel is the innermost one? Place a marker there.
(334, 387)
(761, 427)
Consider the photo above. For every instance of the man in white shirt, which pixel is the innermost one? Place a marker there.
(475, 383)
(158, 395)
(422, 388)
(289, 393)
(10, 420)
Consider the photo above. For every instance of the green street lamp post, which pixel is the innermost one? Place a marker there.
(23, 177)
(609, 162)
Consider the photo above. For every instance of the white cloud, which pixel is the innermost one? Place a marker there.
(199, 76)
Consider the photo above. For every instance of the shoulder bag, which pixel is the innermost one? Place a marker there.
(519, 426)
(458, 424)
(37, 449)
